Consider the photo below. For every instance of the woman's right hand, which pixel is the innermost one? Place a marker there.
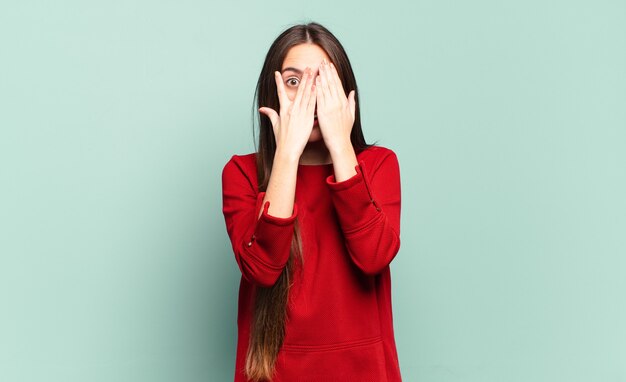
(292, 128)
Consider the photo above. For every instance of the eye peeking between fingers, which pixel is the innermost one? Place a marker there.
(292, 82)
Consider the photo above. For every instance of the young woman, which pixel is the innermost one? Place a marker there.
(314, 221)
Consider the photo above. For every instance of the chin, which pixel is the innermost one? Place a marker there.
(316, 135)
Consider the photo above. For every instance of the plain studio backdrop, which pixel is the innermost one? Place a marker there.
(508, 118)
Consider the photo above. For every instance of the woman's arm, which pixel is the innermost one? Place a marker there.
(260, 225)
(368, 209)
(367, 200)
(336, 112)
(281, 188)
(261, 242)
(292, 129)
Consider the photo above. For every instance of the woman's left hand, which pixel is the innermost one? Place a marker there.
(335, 111)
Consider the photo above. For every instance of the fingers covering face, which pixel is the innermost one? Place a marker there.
(325, 93)
(280, 88)
(309, 90)
(329, 83)
(312, 96)
(303, 88)
(338, 88)
(306, 90)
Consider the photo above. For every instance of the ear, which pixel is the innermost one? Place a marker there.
(352, 102)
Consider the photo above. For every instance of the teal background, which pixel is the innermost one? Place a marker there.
(508, 118)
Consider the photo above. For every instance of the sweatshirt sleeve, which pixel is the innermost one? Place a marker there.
(261, 245)
(368, 209)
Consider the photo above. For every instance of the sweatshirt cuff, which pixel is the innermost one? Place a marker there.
(274, 219)
(271, 236)
(336, 186)
(354, 202)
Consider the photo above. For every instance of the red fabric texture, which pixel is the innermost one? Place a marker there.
(340, 322)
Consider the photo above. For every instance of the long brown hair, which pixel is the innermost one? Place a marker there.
(270, 310)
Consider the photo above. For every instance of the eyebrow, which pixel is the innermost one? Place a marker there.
(292, 69)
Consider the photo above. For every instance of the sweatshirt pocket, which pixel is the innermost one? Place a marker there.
(360, 360)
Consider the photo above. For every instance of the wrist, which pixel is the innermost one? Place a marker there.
(286, 156)
(340, 148)
(344, 163)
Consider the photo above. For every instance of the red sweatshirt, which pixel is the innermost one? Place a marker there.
(340, 324)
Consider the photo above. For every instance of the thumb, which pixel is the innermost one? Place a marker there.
(271, 113)
(352, 102)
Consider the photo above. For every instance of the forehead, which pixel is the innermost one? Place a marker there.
(303, 55)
